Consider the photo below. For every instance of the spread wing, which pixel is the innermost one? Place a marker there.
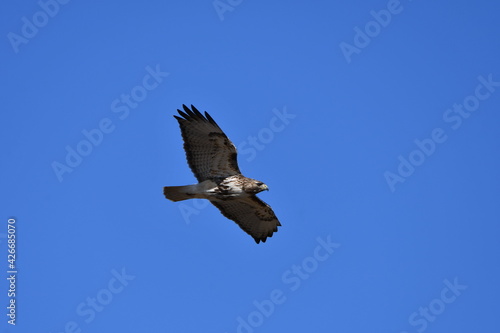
(253, 215)
(209, 152)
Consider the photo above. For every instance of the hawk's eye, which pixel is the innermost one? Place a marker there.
(260, 184)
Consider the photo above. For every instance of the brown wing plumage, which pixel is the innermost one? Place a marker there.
(209, 152)
(253, 215)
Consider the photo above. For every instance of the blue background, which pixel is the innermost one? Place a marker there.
(352, 118)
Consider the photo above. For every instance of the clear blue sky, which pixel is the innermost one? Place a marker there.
(375, 125)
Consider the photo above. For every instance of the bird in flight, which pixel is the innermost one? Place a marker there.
(212, 158)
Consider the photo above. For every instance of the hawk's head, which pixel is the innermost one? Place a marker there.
(255, 186)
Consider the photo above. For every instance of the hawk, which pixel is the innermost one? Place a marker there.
(212, 158)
